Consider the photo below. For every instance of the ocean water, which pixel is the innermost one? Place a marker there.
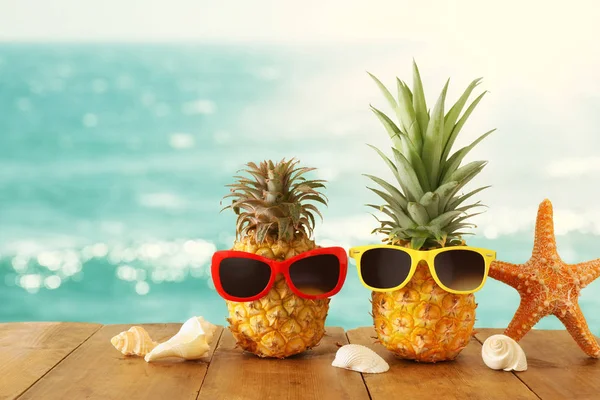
(114, 158)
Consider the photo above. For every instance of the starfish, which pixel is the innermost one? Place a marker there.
(548, 286)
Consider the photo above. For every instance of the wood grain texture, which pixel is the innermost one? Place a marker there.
(28, 350)
(97, 371)
(236, 375)
(74, 360)
(557, 368)
(465, 378)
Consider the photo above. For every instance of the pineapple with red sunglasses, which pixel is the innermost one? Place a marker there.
(276, 280)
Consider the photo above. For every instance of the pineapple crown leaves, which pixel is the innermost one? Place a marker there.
(275, 199)
(423, 204)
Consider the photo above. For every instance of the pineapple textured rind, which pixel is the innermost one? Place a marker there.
(423, 322)
(280, 324)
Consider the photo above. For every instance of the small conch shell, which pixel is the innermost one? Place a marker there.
(359, 358)
(502, 352)
(190, 343)
(208, 328)
(134, 342)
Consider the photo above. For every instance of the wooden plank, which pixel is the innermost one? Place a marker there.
(28, 350)
(465, 378)
(97, 371)
(234, 374)
(557, 368)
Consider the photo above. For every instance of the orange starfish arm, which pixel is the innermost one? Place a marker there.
(574, 321)
(504, 272)
(545, 241)
(525, 318)
(586, 272)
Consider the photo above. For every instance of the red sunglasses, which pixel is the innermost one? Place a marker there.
(316, 274)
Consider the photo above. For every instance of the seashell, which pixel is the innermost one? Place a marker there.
(359, 358)
(134, 342)
(502, 352)
(190, 343)
(208, 328)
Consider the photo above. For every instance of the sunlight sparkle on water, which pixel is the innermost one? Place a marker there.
(52, 282)
(158, 276)
(150, 251)
(20, 263)
(142, 288)
(36, 267)
(126, 273)
(70, 268)
(30, 282)
(50, 259)
(99, 250)
(200, 249)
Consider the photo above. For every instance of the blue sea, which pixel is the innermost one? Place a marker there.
(114, 159)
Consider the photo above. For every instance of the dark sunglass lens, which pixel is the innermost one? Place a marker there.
(460, 269)
(244, 277)
(316, 274)
(384, 268)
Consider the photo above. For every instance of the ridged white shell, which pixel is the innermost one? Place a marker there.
(134, 342)
(190, 343)
(502, 352)
(359, 358)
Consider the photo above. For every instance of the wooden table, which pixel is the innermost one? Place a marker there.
(76, 361)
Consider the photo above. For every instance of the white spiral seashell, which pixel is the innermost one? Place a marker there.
(208, 328)
(134, 342)
(190, 343)
(502, 352)
(359, 358)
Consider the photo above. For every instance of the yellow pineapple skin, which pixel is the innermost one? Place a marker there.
(280, 324)
(421, 321)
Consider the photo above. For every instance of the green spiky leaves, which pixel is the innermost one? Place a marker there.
(275, 199)
(422, 205)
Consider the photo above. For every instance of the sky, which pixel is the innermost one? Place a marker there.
(533, 22)
(540, 61)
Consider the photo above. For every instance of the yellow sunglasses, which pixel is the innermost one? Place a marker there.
(457, 269)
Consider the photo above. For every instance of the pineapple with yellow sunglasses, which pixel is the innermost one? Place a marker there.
(424, 276)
